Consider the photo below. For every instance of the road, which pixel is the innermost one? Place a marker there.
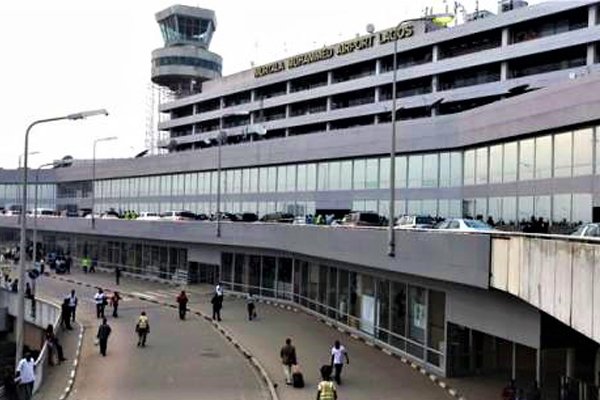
(183, 359)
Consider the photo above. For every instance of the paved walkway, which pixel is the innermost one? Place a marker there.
(183, 359)
(371, 374)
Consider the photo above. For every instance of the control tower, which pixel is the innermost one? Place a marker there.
(185, 61)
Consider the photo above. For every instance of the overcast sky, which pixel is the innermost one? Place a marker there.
(63, 56)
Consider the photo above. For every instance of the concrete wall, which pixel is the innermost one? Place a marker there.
(556, 275)
(444, 256)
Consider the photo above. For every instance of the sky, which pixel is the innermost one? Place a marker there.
(64, 56)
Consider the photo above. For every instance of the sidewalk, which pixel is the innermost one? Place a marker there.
(371, 374)
(57, 377)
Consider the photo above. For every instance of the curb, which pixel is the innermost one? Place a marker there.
(73, 373)
(218, 327)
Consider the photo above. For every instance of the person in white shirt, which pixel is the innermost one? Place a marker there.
(338, 353)
(72, 304)
(100, 300)
(26, 374)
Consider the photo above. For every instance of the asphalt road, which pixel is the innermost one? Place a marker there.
(183, 359)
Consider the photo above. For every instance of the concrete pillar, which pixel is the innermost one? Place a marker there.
(505, 37)
(288, 87)
(378, 66)
(538, 365)
(435, 53)
(597, 369)
(513, 371)
(591, 54)
(252, 96)
(377, 90)
(328, 103)
(570, 363)
(329, 77)
(593, 15)
(504, 71)
(435, 83)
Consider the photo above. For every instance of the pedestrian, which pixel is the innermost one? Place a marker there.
(72, 304)
(26, 375)
(100, 300)
(510, 391)
(93, 265)
(85, 264)
(219, 290)
(326, 389)
(54, 345)
(338, 354)
(182, 300)
(104, 331)
(118, 275)
(114, 301)
(142, 328)
(29, 294)
(217, 304)
(288, 359)
(68, 262)
(251, 307)
(65, 311)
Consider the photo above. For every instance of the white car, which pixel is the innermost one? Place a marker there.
(465, 225)
(587, 230)
(149, 216)
(178, 216)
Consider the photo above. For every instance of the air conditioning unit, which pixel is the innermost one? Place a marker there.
(509, 5)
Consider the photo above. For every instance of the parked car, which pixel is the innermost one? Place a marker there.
(464, 225)
(45, 212)
(278, 217)
(202, 217)
(587, 230)
(362, 218)
(149, 216)
(245, 217)
(178, 216)
(415, 222)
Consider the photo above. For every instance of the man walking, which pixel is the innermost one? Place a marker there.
(65, 311)
(338, 354)
(142, 328)
(114, 300)
(182, 300)
(72, 304)
(217, 304)
(288, 359)
(118, 274)
(26, 374)
(100, 300)
(103, 334)
(251, 307)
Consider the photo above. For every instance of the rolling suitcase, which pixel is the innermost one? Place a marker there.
(297, 378)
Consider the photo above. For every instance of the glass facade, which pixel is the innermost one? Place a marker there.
(408, 317)
(362, 184)
(10, 194)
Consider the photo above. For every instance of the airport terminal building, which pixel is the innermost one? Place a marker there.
(498, 117)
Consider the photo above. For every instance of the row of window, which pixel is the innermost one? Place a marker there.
(557, 208)
(559, 155)
(546, 26)
(191, 61)
(10, 193)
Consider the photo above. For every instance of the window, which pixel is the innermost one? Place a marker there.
(401, 172)
(525, 208)
(323, 176)
(445, 170)
(415, 171)
(302, 177)
(456, 169)
(496, 164)
(311, 177)
(542, 207)
(281, 179)
(583, 151)
(526, 159)
(543, 157)
(291, 178)
(264, 177)
(548, 62)
(346, 175)
(562, 155)
(334, 176)
(469, 167)
(372, 173)
(509, 164)
(582, 207)
(430, 171)
(561, 208)
(359, 174)
(481, 167)
(552, 25)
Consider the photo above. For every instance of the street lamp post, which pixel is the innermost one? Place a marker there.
(104, 139)
(392, 206)
(23, 239)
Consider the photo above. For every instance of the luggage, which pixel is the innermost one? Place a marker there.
(297, 378)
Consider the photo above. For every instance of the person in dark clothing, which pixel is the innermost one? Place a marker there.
(93, 265)
(118, 275)
(217, 304)
(65, 320)
(251, 307)
(182, 300)
(142, 328)
(288, 359)
(114, 301)
(68, 263)
(103, 334)
(53, 345)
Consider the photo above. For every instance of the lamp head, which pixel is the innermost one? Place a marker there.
(86, 114)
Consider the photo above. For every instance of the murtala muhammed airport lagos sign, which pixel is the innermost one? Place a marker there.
(401, 31)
